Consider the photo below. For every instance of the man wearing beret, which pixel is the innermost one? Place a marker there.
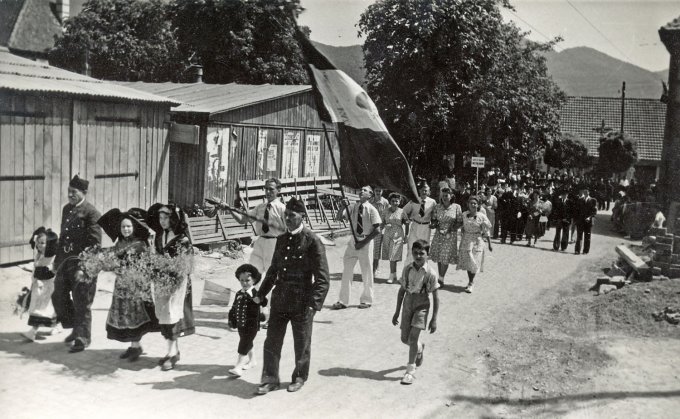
(299, 276)
(72, 298)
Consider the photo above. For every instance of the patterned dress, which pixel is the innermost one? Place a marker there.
(392, 248)
(381, 205)
(471, 249)
(444, 247)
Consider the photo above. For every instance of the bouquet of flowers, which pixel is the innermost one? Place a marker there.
(94, 260)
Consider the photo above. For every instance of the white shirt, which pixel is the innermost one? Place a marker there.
(276, 218)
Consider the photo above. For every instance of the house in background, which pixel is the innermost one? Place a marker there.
(55, 124)
(644, 120)
(28, 27)
(225, 133)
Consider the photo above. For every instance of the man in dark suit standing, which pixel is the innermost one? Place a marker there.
(299, 275)
(561, 215)
(507, 213)
(586, 209)
(72, 298)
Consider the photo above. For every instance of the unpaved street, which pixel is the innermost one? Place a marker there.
(357, 358)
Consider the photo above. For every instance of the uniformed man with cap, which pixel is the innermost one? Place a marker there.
(299, 276)
(72, 299)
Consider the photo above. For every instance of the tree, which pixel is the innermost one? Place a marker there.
(121, 40)
(567, 152)
(617, 152)
(449, 76)
(241, 41)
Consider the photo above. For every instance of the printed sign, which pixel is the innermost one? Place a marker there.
(291, 154)
(272, 152)
(477, 162)
(312, 154)
(261, 152)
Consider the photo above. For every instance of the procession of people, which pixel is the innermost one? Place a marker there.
(454, 228)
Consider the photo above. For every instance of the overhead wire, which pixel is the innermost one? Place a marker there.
(558, 49)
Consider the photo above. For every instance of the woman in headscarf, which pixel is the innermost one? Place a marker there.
(130, 316)
(174, 310)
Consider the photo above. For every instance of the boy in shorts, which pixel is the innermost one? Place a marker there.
(418, 281)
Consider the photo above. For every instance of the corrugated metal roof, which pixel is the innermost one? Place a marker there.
(644, 121)
(216, 98)
(20, 74)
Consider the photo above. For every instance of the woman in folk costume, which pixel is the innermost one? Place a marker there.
(174, 311)
(40, 310)
(130, 316)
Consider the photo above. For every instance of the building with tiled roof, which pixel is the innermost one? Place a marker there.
(644, 120)
(28, 27)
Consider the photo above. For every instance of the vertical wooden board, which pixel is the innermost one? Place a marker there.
(48, 217)
(6, 188)
(108, 164)
(99, 162)
(163, 110)
(76, 167)
(144, 132)
(153, 154)
(57, 188)
(114, 192)
(19, 199)
(39, 169)
(29, 221)
(127, 183)
(65, 114)
(91, 154)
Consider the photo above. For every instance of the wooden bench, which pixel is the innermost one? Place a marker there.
(222, 227)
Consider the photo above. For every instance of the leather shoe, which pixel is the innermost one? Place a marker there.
(296, 386)
(78, 346)
(70, 338)
(266, 388)
(135, 353)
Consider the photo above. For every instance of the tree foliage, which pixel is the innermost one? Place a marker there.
(449, 76)
(122, 40)
(567, 152)
(617, 152)
(157, 40)
(241, 41)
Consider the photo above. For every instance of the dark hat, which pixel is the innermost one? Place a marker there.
(178, 219)
(110, 223)
(295, 205)
(78, 183)
(252, 270)
(52, 240)
(43, 273)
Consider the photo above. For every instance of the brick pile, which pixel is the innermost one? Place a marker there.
(666, 250)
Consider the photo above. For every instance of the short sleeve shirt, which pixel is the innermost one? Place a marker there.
(276, 218)
(412, 210)
(369, 216)
(415, 280)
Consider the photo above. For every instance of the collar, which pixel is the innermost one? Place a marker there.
(414, 266)
(250, 291)
(297, 230)
(80, 203)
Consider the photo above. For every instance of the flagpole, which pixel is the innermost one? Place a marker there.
(337, 173)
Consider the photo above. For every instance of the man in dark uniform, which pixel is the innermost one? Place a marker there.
(507, 213)
(561, 215)
(586, 209)
(72, 298)
(299, 275)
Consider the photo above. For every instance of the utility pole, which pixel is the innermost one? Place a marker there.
(623, 104)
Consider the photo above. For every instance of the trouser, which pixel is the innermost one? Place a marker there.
(72, 300)
(583, 230)
(246, 338)
(416, 232)
(508, 224)
(263, 251)
(301, 323)
(561, 240)
(491, 215)
(364, 257)
(607, 200)
(496, 228)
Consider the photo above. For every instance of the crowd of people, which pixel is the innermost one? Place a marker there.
(453, 227)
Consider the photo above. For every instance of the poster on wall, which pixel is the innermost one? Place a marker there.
(291, 154)
(312, 154)
(217, 148)
(272, 152)
(261, 152)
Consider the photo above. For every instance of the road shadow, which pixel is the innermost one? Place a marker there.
(210, 379)
(559, 405)
(456, 289)
(87, 364)
(365, 374)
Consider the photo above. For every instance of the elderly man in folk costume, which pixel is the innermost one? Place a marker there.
(299, 276)
(72, 298)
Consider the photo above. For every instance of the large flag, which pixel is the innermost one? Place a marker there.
(368, 153)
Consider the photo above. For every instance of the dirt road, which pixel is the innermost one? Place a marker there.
(357, 358)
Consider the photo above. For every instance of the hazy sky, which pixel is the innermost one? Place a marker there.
(624, 29)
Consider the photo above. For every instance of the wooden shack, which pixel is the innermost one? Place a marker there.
(223, 134)
(55, 124)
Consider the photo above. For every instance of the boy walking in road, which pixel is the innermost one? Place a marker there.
(418, 281)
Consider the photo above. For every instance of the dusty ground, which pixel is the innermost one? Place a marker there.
(519, 346)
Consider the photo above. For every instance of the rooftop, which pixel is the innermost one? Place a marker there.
(217, 98)
(644, 120)
(23, 75)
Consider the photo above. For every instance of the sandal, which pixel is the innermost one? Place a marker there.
(338, 306)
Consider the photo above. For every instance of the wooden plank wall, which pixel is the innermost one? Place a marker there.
(50, 139)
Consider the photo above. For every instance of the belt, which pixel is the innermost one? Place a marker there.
(418, 222)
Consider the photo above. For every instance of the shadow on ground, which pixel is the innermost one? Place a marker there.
(365, 374)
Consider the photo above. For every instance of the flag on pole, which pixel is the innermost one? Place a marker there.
(368, 153)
